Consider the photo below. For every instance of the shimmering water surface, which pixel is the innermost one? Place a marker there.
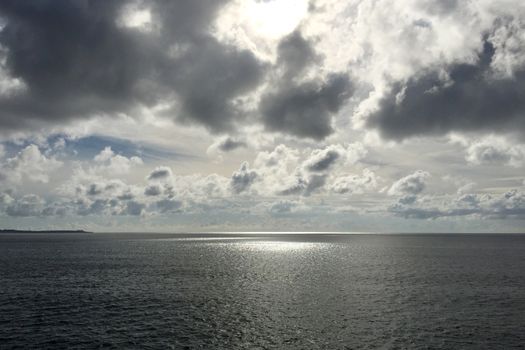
(262, 291)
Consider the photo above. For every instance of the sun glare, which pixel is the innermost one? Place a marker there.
(275, 18)
(136, 18)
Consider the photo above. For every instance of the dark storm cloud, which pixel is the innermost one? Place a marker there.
(72, 57)
(473, 98)
(295, 54)
(306, 110)
(76, 61)
(213, 75)
(302, 108)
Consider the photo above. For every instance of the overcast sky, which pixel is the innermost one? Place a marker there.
(251, 115)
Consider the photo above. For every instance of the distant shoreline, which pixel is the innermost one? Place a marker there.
(43, 231)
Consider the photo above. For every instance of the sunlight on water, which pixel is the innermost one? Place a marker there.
(277, 246)
(203, 239)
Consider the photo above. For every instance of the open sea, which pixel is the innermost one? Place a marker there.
(262, 291)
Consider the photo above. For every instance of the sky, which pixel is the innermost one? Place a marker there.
(263, 115)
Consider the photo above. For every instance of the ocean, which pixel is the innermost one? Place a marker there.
(262, 291)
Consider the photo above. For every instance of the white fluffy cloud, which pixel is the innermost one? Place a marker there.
(29, 164)
(355, 184)
(412, 184)
(509, 205)
(115, 164)
(495, 151)
(288, 171)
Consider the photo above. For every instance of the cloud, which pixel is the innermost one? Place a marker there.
(228, 144)
(158, 59)
(5, 200)
(108, 205)
(294, 185)
(283, 207)
(203, 188)
(301, 184)
(102, 197)
(356, 184)
(462, 97)
(29, 164)
(290, 172)
(298, 106)
(108, 161)
(77, 60)
(509, 205)
(412, 184)
(161, 173)
(314, 183)
(242, 179)
(321, 160)
(168, 205)
(294, 55)
(134, 208)
(212, 77)
(224, 145)
(153, 190)
(280, 159)
(282, 171)
(495, 151)
(311, 176)
(305, 110)
(126, 196)
(28, 205)
(94, 190)
(408, 199)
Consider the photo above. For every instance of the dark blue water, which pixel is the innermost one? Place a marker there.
(258, 292)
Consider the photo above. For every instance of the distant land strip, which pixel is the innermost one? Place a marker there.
(43, 231)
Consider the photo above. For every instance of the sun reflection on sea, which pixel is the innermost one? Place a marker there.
(277, 246)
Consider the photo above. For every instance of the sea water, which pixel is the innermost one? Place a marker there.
(262, 291)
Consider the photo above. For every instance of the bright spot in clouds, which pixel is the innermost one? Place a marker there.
(136, 18)
(275, 18)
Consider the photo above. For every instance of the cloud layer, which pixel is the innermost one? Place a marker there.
(202, 111)
(77, 60)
